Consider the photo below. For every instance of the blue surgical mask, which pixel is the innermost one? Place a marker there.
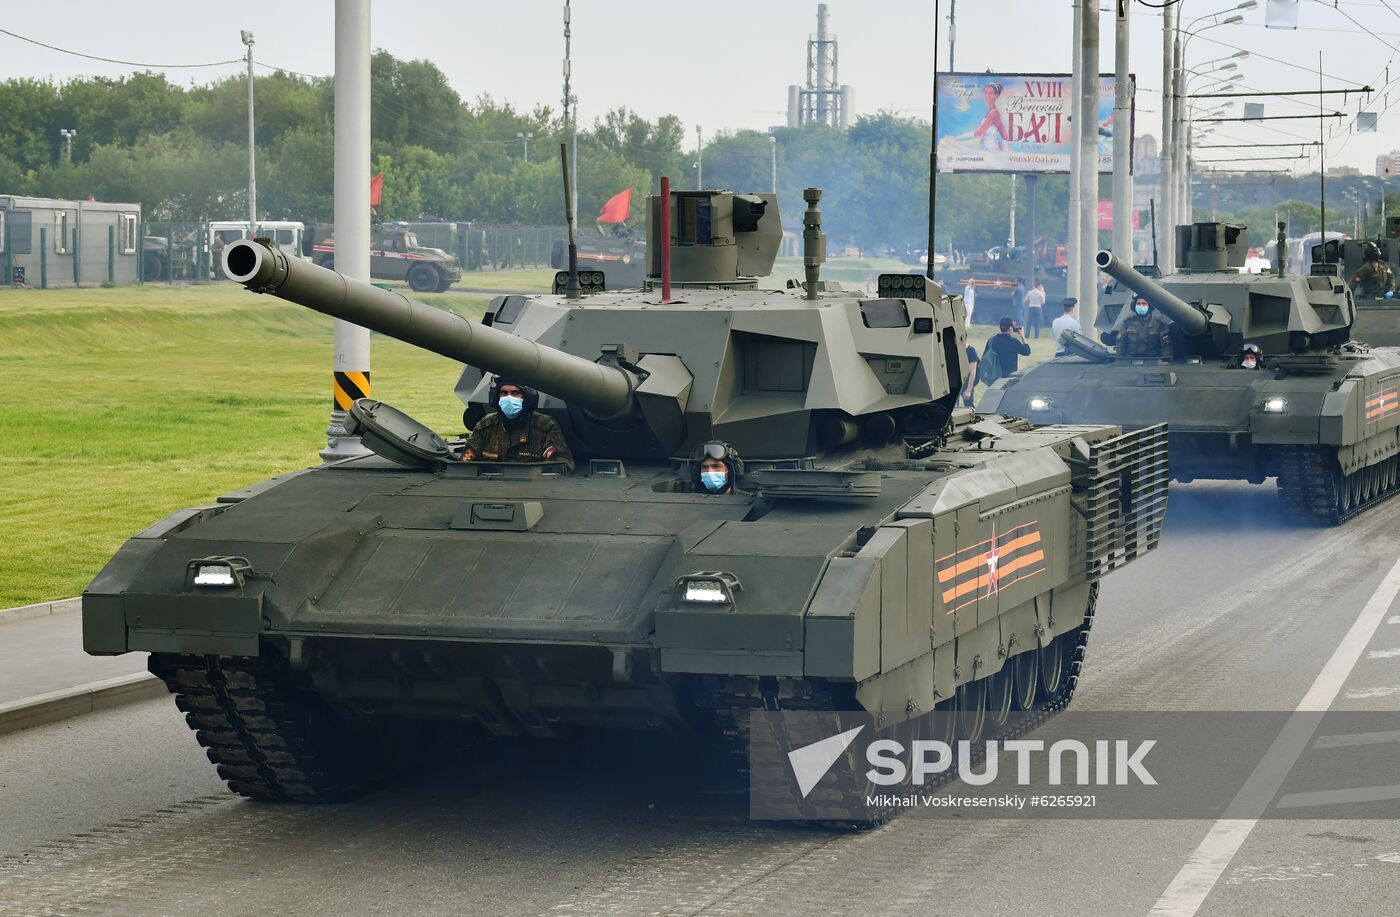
(511, 406)
(1140, 309)
(714, 481)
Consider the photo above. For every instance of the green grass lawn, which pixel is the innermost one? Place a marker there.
(530, 280)
(123, 405)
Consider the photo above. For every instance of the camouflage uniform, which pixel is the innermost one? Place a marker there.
(1374, 280)
(1145, 336)
(496, 439)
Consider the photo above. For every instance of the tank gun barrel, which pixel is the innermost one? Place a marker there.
(603, 389)
(1190, 319)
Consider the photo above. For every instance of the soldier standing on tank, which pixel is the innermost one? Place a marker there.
(1145, 334)
(1375, 278)
(515, 431)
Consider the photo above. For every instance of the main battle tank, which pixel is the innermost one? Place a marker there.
(887, 551)
(1320, 414)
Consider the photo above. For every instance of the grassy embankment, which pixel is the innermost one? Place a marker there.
(122, 405)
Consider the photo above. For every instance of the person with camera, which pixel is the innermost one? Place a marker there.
(1009, 345)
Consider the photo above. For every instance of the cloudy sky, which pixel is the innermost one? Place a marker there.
(725, 64)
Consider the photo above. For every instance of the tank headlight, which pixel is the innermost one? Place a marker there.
(709, 588)
(1276, 405)
(214, 575)
(216, 572)
(1040, 403)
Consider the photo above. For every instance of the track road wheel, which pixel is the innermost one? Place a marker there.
(972, 710)
(423, 278)
(1025, 675)
(1001, 690)
(1052, 668)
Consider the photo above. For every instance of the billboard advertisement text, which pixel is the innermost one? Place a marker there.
(1007, 122)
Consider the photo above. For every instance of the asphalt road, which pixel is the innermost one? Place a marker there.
(118, 813)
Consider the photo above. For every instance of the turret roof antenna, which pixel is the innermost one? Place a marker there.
(572, 290)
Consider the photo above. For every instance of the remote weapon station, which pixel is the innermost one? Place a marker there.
(884, 550)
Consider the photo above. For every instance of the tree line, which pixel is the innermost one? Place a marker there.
(181, 152)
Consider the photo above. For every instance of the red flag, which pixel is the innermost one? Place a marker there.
(617, 207)
(376, 189)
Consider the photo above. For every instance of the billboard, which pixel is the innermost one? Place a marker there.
(1013, 122)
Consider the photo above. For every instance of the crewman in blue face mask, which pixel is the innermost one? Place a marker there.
(1145, 334)
(717, 469)
(515, 431)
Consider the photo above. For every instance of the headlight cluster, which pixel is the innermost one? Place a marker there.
(709, 588)
(1040, 403)
(1276, 404)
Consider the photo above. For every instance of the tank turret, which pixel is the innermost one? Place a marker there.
(779, 373)
(1217, 309)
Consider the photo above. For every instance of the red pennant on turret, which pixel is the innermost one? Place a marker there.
(617, 208)
(376, 189)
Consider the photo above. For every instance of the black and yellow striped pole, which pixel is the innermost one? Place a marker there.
(348, 388)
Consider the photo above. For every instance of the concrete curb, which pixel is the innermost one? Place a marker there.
(69, 702)
(42, 609)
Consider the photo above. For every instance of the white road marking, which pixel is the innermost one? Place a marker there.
(1184, 896)
(1393, 619)
(1378, 691)
(1359, 738)
(1339, 797)
(1383, 654)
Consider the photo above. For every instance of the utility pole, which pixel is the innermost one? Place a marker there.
(1165, 187)
(952, 44)
(1011, 237)
(252, 160)
(699, 159)
(67, 136)
(1122, 138)
(525, 137)
(352, 352)
(773, 143)
(1089, 166)
(1076, 165)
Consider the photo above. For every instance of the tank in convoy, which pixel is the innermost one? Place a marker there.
(1261, 378)
(884, 550)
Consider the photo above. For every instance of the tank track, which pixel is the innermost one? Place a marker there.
(270, 737)
(830, 807)
(1314, 490)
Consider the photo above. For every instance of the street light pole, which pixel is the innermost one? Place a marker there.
(1166, 187)
(67, 136)
(525, 137)
(252, 160)
(773, 142)
(1122, 141)
(699, 159)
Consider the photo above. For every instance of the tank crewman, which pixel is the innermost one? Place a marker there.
(1145, 334)
(515, 431)
(1375, 278)
(717, 469)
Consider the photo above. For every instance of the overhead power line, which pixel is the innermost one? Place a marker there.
(112, 60)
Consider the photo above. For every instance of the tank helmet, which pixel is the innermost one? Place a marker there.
(1371, 252)
(1251, 357)
(530, 396)
(721, 451)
